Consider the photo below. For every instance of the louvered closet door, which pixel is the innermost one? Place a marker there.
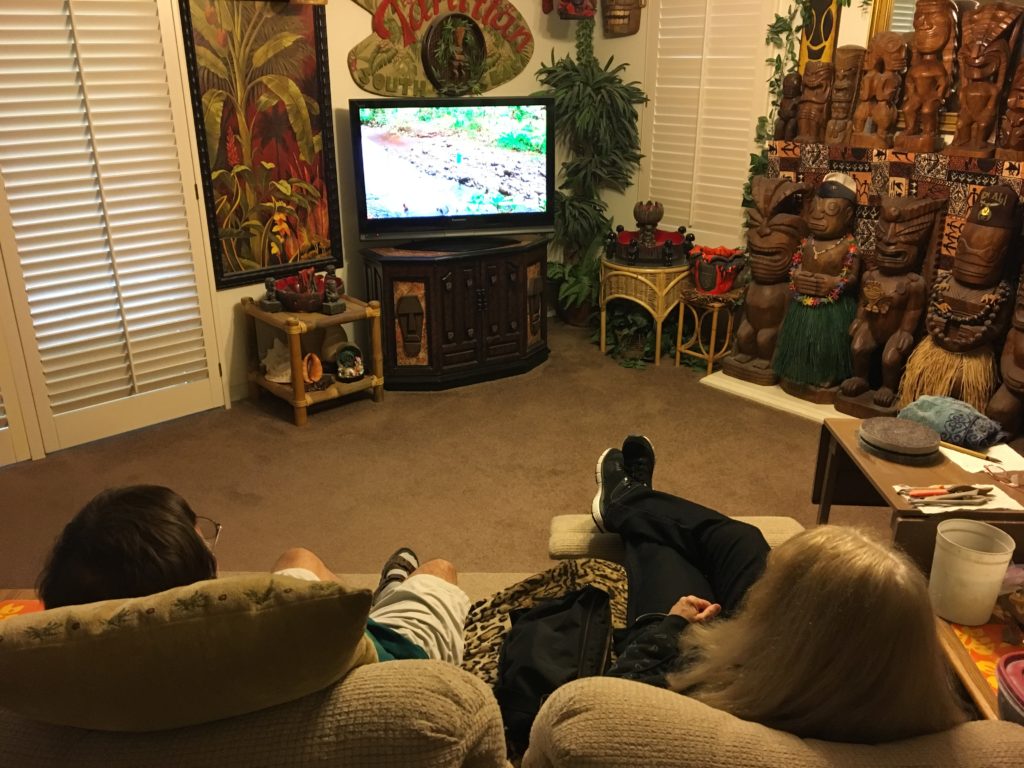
(706, 64)
(19, 437)
(902, 19)
(107, 277)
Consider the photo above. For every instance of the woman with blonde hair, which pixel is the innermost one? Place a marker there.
(830, 636)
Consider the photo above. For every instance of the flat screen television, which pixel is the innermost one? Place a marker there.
(449, 167)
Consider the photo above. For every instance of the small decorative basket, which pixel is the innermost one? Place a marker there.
(715, 269)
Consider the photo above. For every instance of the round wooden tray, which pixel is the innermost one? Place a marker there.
(900, 440)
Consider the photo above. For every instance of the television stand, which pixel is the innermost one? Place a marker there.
(460, 310)
(461, 244)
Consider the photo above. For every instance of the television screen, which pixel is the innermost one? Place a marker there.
(438, 167)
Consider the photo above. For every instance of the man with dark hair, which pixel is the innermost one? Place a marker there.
(126, 542)
(144, 539)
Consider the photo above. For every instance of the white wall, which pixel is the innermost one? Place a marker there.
(854, 23)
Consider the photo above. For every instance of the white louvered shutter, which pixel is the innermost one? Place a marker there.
(902, 19)
(709, 87)
(92, 181)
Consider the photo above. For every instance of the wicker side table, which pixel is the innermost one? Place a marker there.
(703, 307)
(656, 289)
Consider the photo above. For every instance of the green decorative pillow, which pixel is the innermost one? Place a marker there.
(189, 655)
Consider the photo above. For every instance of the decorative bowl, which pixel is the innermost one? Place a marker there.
(294, 300)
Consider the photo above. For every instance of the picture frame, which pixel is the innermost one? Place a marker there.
(265, 141)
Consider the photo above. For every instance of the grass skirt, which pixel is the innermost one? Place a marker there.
(814, 343)
(932, 370)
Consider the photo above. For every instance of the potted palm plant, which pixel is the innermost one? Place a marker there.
(597, 130)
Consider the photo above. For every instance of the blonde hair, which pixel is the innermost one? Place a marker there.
(835, 641)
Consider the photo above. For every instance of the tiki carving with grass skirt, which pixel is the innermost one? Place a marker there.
(969, 307)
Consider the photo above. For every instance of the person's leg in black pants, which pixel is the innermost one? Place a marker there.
(675, 547)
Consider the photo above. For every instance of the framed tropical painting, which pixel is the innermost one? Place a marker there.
(261, 100)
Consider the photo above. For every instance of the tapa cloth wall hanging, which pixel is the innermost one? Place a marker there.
(448, 47)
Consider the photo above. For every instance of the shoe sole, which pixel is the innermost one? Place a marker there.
(595, 507)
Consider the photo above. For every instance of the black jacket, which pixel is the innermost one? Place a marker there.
(651, 650)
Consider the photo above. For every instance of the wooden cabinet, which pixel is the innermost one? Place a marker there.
(453, 317)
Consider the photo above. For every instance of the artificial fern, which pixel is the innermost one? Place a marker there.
(597, 127)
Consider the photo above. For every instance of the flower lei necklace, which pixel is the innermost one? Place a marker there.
(844, 275)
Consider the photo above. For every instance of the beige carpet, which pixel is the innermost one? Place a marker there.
(472, 474)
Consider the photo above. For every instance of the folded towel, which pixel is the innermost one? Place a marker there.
(955, 421)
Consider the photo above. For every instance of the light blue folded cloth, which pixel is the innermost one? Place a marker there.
(955, 421)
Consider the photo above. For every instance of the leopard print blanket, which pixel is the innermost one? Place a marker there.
(488, 619)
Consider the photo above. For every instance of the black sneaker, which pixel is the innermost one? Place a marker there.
(399, 566)
(638, 458)
(611, 477)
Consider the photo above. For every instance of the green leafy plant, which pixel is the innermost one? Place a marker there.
(631, 334)
(597, 130)
(580, 279)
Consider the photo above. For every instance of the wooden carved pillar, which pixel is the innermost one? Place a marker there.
(821, 28)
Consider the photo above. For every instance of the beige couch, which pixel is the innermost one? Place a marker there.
(613, 723)
(90, 684)
(246, 671)
(400, 714)
(407, 714)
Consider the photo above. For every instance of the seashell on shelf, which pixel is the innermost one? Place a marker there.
(312, 369)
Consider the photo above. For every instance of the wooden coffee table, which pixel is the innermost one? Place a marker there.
(967, 671)
(846, 474)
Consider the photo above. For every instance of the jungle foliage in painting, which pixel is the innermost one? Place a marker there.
(261, 99)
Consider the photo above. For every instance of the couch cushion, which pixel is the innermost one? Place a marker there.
(604, 722)
(189, 655)
(574, 536)
(401, 714)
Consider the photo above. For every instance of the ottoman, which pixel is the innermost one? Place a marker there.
(576, 536)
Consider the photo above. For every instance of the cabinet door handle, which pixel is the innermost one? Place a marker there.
(471, 333)
(494, 279)
(494, 328)
(514, 325)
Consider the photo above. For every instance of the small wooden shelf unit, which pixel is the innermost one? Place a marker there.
(295, 324)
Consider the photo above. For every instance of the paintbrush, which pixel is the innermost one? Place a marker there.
(969, 452)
